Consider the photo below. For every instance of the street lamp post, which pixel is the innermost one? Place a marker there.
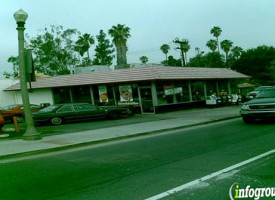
(31, 133)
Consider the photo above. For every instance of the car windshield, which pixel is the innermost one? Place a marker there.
(262, 88)
(9, 107)
(49, 108)
(266, 94)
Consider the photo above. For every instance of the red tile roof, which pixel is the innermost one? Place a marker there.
(135, 75)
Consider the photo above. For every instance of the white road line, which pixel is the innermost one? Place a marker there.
(207, 177)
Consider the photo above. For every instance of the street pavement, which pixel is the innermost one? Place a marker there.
(154, 124)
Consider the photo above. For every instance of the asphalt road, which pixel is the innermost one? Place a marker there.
(137, 168)
(258, 174)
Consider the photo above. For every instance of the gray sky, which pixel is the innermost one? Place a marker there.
(248, 23)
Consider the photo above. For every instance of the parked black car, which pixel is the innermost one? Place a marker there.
(262, 106)
(59, 113)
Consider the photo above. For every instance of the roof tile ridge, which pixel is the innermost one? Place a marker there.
(155, 72)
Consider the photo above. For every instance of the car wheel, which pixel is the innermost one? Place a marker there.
(248, 120)
(56, 120)
(113, 115)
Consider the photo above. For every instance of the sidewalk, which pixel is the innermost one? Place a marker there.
(166, 121)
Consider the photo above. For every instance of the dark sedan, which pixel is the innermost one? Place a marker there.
(261, 107)
(58, 113)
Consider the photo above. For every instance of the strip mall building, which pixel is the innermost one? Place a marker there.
(148, 89)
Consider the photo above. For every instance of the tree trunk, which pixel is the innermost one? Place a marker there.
(118, 54)
(123, 52)
(218, 45)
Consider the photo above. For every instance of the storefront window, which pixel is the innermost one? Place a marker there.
(61, 95)
(146, 100)
(181, 92)
(127, 93)
(197, 90)
(96, 94)
(103, 95)
(211, 88)
(81, 94)
(172, 92)
(223, 87)
(111, 97)
(164, 94)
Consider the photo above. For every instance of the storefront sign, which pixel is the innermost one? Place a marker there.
(126, 93)
(169, 90)
(103, 96)
(178, 90)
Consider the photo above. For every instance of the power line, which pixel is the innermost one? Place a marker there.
(146, 50)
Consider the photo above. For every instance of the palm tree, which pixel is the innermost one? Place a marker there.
(236, 51)
(197, 49)
(165, 49)
(143, 59)
(216, 31)
(185, 48)
(120, 34)
(226, 45)
(212, 44)
(84, 43)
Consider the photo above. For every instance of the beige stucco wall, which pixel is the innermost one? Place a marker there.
(36, 97)
(7, 98)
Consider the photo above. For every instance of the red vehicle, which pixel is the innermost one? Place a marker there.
(16, 110)
(1, 123)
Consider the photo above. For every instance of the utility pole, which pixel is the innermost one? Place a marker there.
(181, 48)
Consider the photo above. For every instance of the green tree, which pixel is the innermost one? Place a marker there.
(53, 50)
(104, 50)
(143, 59)
(226, 45)
(120, 34)
(234, 55)
(185, 47)
(212, 59)
(84, 43)
(212, 45)
(257, 63)
(165, 49)
(271, 72)
(171, 61)
(216, 31)
(15, 66)
(236, 52)
(197, 49)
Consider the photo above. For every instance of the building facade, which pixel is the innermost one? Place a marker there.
(146, 89)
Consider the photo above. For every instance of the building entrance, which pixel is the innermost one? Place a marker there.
(146, 100)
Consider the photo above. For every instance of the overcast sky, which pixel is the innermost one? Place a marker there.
(248, 23)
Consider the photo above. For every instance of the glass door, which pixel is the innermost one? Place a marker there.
(146, 100)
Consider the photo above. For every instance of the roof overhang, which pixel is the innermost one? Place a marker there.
(156, 73)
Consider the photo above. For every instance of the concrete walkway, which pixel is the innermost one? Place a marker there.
(173, 120)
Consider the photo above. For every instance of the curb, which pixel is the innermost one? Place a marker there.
(78, 145)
